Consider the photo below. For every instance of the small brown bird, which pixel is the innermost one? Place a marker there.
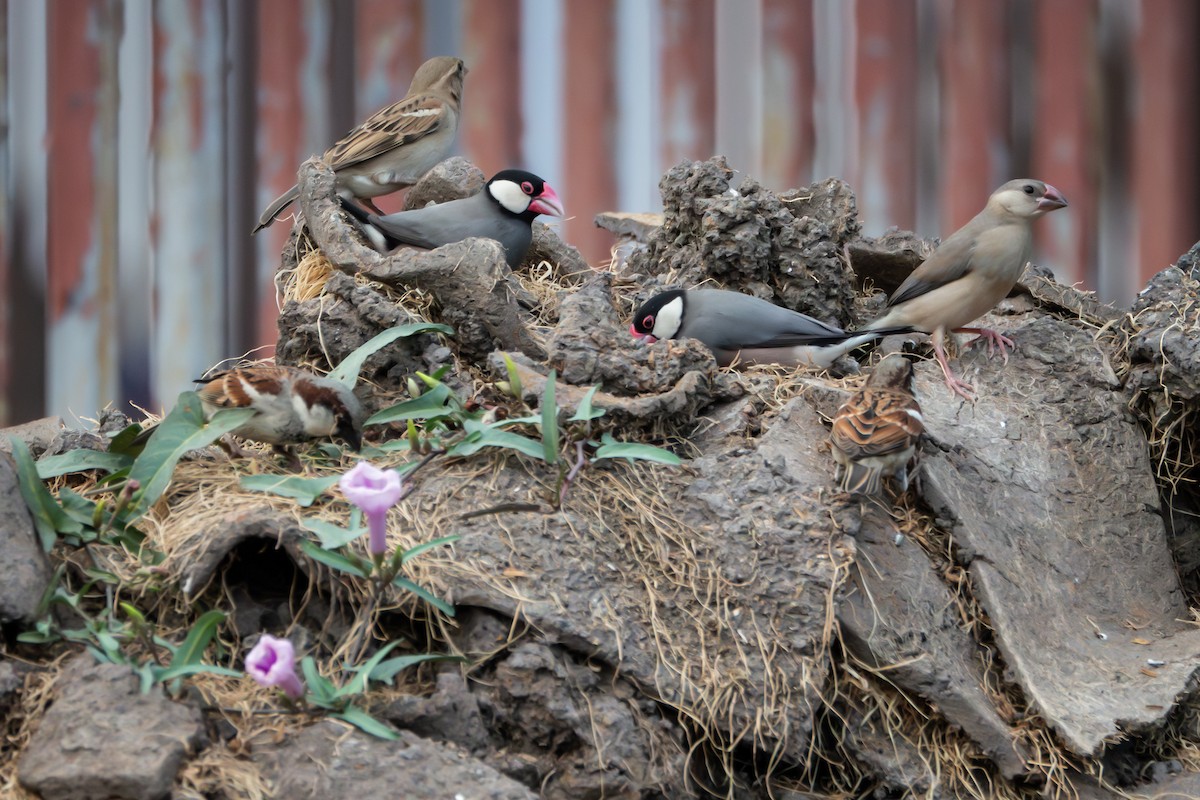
(972, 271)
(293, 405)
(875, 432)
(398, 144)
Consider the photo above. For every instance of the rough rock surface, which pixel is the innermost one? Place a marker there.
(36, 434)
(102, 738)
(1165, 327)
(900, 617)
(1056, 516)
(330, 762)
(785, 248)
(452, 179)
(26, 569)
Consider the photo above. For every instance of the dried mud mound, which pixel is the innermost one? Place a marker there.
(1018, 623)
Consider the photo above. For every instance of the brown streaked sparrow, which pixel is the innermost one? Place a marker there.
(875, 431)
(396, 145)
(293, 405)
(504, 210)
(972, 271)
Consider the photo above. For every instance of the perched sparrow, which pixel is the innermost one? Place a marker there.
(398, 144)
(741, 326)
(971, 272)
(504, 210)
(293, 405)
(875, 432)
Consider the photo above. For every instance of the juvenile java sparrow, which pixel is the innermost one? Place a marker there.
(503, 210)
(396, 145)
(972, 271)
(752, 330)
(293, 405)
(875, 432)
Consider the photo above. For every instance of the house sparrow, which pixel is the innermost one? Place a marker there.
(293, 405)
(875, 432)
(971, 272)
(744, 327)
(504, 210)
(398, 144)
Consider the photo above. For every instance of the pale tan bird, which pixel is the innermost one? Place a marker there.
(875, 431)
(396, 145)
(972, 271)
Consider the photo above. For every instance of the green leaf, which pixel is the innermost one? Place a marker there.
(346, 373)
(424, 594)
(182, 430)
(433, 403)
(125, 442)
(48, 516)
(550, 421)
(133, 612)
(514, 377)
(492, 437)
(332, 536)
(358, 684)
(304, 491)
(585, 412)
(192, 649)
(386, 671)
(79, 461)
(637, 452)
(413, 552)
(321, 690)
(163, 674)
(334, 560)
(366, 723)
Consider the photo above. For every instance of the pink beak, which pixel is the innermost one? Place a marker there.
(1051, 200)
(547, 202)
(642, 338)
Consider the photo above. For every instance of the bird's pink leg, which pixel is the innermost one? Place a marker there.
(956, 384)
(369, 203)
(995, 340)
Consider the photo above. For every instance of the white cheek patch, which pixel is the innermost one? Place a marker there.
(669, 318)
(317, 420)
(509, 195)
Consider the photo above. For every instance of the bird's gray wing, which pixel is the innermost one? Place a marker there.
(734, 321)
(948, 263)
(434, 226)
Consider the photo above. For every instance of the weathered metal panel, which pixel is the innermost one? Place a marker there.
(739, 37)
(388, 49)
(591, 108)
(490, 129)
(7, 332)
(1166, 160)
(1064, 144)
(688, 80)
(885, 96)
(974, 48)
(789, 76)
(82, 254)
(638, 162)
(188, 223)
(541, 69)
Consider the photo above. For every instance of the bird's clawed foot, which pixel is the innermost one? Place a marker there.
(957, 385)
(995, 341)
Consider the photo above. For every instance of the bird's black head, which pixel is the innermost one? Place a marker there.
(524, 194)
(660, 317)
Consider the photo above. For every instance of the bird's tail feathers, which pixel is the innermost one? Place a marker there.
(859, 479)
(283, 201)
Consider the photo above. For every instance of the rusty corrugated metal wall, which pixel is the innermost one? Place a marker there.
(142, 137)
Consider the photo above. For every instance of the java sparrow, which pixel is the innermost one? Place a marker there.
(971, 271)
(503, 210)
(743, 327)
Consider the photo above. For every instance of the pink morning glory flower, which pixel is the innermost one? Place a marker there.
(373, 490)
(272, 662)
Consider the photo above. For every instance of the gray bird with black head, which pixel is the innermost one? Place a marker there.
(746, 328)
(503, 210)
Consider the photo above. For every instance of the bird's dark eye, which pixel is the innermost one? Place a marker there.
(527, 187)
(1029, 189)
(648, 322)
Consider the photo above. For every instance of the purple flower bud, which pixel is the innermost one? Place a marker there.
(272, 662)
(374, 491)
